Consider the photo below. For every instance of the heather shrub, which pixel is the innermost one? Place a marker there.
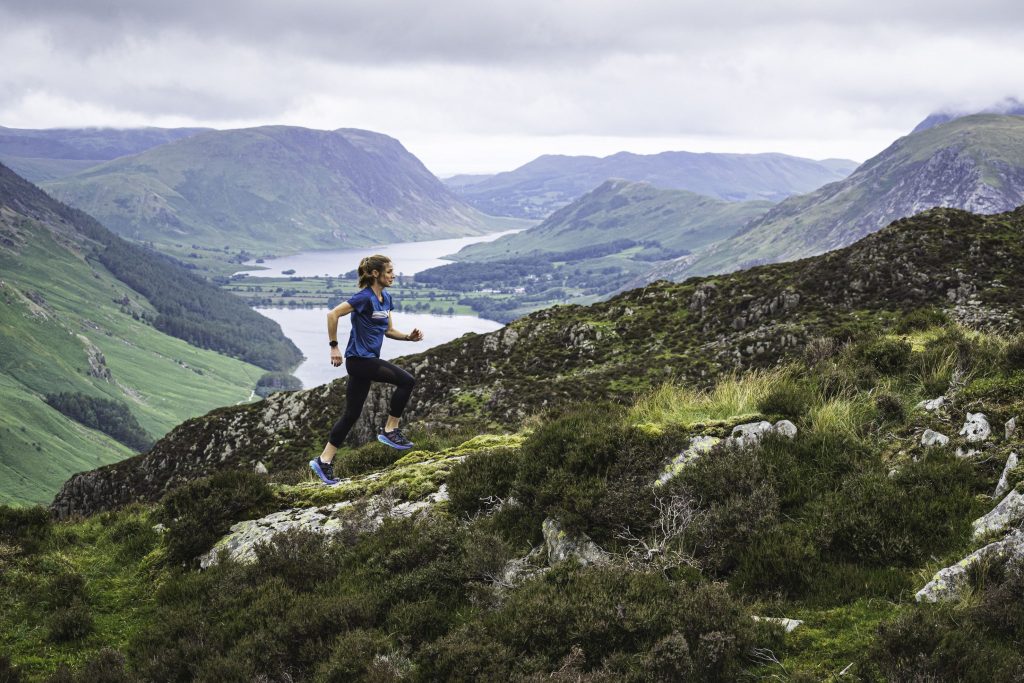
(72, 622)
(890, 408)
(592, 470)
(198, 513)
(107, 666)
(25, 527)
(479, 481)
(887, 356)
(1014, 354)
(789, 399)
(921, 319)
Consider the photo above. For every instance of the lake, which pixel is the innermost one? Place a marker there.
(307, 327)
(408, 258)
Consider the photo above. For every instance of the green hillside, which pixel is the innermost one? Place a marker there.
(974, 163)
(68, 324)
(666, 222)
(274, 187)
(550, 182)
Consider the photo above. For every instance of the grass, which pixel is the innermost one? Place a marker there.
(733, 398)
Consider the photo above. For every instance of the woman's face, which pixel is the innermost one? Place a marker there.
(387, 277)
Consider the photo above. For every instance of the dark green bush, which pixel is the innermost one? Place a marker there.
(888, 356)
(24, 527)
(198, 513)
(921, 319)
(478, 481)
(940, 643)
(592, 471)
(73, 622)
(107, 666)
(881, 520)
(890, 408)
(788, 399)
(134, 537)
(1015, 353)
(8, 672)
(623, 615)
(63, 589)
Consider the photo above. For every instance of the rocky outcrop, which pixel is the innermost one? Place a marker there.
(1010, 511)
(931, 405)
(950, 583)
(1004, 480)
(345, 517)
(562, 546)
(976, 429)
(931, 438)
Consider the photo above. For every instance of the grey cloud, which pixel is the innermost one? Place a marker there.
(475, 31)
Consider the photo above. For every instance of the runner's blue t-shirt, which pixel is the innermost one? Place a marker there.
(369, 323)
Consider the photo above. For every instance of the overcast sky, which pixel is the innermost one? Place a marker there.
(481, 86)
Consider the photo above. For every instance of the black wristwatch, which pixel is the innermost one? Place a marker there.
(334, 344)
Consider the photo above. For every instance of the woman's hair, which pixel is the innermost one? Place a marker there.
(368, 265)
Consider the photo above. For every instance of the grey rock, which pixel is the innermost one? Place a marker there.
(260, 468)
(523, 568)
(160, 528)
(785, 428)
(932, 405)
(750, 433)
(976, 428)
(699, 445)
(1010, 511)
(562, 546)
(932, 438)
(1011, 428)
(966, 452)
(1004, 480)
(789, 625)
(949, 583)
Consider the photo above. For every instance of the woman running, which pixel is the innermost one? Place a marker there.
(371, 322)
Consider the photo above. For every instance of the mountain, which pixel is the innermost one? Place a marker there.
(273, 187)
(1011, 106)
(89, 371)
(550, 182)
(39, 155)
(663, 223)
(951, 264)
(974, 163)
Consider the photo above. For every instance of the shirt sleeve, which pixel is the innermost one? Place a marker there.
(359, 302)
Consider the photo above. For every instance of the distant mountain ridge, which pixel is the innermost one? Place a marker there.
(273, 187)
(47, 154)
(550, 182)
(974, 163)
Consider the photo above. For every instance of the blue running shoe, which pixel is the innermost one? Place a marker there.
(324, 470)
(396, 439)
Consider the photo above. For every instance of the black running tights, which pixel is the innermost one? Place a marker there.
(362, 372)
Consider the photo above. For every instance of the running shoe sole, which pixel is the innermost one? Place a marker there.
(388, 442)
(320, 473)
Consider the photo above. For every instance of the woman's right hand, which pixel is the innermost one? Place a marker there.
(336, 357)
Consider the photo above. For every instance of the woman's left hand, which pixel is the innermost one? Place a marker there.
(415, 335)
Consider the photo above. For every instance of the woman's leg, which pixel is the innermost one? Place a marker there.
(404, 383)
(359, 380)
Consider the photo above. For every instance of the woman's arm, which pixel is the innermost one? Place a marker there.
(392, 333)
(344, 308)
